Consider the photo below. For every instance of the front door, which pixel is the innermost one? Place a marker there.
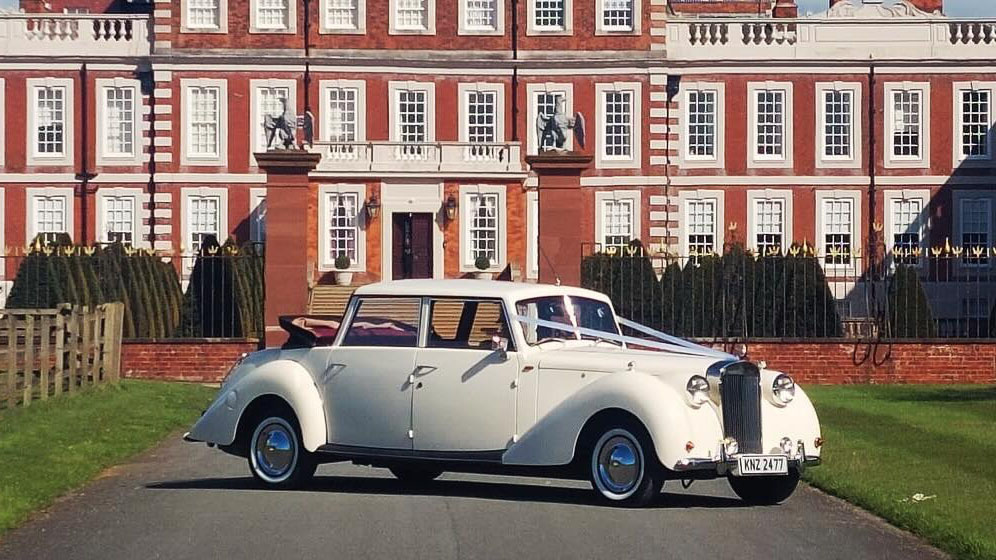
(411, 245)
(464, 397)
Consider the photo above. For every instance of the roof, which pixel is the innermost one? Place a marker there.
(511, 291)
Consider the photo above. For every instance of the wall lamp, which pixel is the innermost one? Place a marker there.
(373, 207)
(451, 208)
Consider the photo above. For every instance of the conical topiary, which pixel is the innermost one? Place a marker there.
(909, 311)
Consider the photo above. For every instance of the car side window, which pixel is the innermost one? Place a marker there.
(385, 322)
(466, 324)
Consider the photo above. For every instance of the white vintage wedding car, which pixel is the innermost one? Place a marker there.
(426, 376)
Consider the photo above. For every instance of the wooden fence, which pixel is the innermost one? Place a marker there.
(47, 352)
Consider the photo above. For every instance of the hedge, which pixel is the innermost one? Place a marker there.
(909, 311)
(225, 295)
(719, 296)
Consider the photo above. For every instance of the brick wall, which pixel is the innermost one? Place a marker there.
(199, 360)
(837, 362)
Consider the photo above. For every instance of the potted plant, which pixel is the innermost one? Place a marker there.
(342, 276)
(482, 264)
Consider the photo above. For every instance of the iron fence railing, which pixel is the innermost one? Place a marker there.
(215, 294)
(801, 294)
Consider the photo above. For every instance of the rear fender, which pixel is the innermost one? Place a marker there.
(285, 379)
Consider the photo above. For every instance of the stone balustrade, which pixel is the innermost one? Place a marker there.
(422, 157)
(74, 35)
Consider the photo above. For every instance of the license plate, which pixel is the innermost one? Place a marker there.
(754, 465)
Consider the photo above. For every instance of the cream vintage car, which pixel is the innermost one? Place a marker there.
(427, 376)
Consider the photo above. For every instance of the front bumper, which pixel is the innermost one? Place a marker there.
(726, 465)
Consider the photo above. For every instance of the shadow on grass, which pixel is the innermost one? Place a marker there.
(451, 488)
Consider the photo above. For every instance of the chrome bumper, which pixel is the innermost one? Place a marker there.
(726, 465)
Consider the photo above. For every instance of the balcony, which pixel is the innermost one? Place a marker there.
(74, 35)
(831, 38)
(434, 158)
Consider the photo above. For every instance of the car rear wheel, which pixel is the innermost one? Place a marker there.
(623, 467)
(276, 457)
(765, 490)
(415, 475)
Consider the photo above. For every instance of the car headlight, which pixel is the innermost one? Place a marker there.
(698, 390)
(783, 388)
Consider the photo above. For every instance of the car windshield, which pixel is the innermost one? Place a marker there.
(589, 314)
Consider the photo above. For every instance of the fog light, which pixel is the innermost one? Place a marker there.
(787, 446)
(730, 446)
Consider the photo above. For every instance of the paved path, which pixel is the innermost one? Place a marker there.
(184, 501)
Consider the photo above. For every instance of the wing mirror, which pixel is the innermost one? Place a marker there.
(500, 344)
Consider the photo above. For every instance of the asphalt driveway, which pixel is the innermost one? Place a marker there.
(186, 501)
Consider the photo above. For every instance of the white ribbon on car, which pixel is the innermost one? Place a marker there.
(671, 344)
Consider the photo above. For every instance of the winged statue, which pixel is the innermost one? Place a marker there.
(552, 129)
(280, 128)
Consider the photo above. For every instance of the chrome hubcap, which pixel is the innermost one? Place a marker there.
(619, 466)
(274, 450)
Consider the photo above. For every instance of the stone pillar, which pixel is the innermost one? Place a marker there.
(561, 208)
(287, 199)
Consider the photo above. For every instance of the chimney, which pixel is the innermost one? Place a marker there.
(785, 9)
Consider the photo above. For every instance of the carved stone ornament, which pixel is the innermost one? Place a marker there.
(875, 10)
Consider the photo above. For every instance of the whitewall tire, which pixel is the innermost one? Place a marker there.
(623, 469)
(276, 457)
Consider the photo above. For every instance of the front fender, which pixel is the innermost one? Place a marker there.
(285, 379)
(662, 409)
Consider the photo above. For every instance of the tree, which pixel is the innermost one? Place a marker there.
(909, 311)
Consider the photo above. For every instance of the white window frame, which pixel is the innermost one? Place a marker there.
(103, 156)
(185, 26)
(499, 29)
(430, 20)
(324, 191)
(855, 196)
(465, 206)
(972, 161)
(894, 162)
(138, 197)
(533, 91)
(894, 195)
(498, 89)
(686, 196)
(257, 198)
(687, 160)
(635, 159)
(601, 197)
(256, 119)
(66, 193)
(3, 130)
(190, 192)
(532, 235)
(291, 26)
(532, 29)
(430, 107)
(186, 158)
(856, 159)
(68, 115)
(361, 20)
(755, 196)
(957, 199)
(600, 28)
(788, 152)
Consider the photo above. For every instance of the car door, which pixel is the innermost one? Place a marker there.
(464, 394)
(366, 381)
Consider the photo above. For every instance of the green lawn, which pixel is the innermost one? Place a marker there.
(884, 444)
(55, 446)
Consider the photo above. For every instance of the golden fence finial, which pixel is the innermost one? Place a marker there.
(878, 227)
(732, 226)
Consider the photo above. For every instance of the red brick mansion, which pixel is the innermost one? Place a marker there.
(708, 121)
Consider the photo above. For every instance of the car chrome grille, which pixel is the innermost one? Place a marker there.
(740, 394)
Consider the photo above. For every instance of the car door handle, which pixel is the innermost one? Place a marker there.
(423, 370)
(332, 371)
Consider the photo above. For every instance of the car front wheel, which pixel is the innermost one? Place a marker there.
(765, 490)
(623, 468)
(276, 457)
